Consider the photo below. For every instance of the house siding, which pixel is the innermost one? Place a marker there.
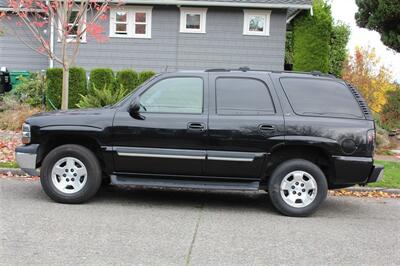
(286, 2)
(14, 54)
(223, 44)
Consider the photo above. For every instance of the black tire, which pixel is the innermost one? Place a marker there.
(89, 160)
(286, 168)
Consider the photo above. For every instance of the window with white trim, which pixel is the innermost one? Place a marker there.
(130, 22)
(193, 20)
(73, 29)
(256, 22)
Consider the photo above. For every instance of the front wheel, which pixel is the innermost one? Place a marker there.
(297, 187)
(70, 174)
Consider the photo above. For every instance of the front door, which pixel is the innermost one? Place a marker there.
(170, 137)
(245, 123)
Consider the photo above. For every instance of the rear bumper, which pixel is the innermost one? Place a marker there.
(26, 158)
(352, 170)
(376, 174)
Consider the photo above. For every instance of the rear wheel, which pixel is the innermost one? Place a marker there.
(297, 187)
(70, 174)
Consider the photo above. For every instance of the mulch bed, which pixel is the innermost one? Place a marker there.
(9, 140)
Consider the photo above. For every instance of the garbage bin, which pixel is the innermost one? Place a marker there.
(15, 76)
(5, 82)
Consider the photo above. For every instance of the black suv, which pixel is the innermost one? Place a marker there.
(295, 135)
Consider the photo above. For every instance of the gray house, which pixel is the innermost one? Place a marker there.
(175, 34)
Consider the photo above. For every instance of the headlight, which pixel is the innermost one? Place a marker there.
(26, 133)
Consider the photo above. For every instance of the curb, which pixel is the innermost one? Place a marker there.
(373, 189)
(17, 171)
(13, 171)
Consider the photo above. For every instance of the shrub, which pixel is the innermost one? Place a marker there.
(100, 77)
(102, 97)
(145, 75)
(338, 51)
(30, 91)
(54, 87)
(77, 85)
(127, 78)
(311, 39)
(390, 116)
(382, 140)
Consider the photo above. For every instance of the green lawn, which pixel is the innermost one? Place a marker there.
(9, 165)
(391, 177)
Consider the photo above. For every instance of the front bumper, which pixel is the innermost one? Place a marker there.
(26, 156)
(376, 174)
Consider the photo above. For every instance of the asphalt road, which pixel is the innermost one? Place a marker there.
(176, 227)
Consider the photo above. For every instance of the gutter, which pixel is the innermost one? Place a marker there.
(8, 9)
(293, 16)
(214, 3)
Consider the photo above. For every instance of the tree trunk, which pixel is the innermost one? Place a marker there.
(65, 88)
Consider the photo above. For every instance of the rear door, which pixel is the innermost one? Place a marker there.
(245, 123)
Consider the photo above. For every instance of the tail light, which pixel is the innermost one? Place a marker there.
(371, 139)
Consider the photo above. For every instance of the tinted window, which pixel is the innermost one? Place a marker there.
(239, 96)
(174, 95)
(321, 98)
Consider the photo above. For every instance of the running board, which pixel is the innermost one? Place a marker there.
(177, 183)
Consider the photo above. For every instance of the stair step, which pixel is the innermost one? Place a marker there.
(177, 183)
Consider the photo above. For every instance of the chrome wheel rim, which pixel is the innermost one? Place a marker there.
(298, 189)
(69, 175)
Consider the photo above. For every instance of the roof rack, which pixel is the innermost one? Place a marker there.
(245, 69)
(217, 70)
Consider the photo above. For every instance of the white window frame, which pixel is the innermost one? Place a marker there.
(114, 28)
(69, 37)
(131, 23)
(248, 13)
(193, 11)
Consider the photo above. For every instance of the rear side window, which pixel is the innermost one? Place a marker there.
(243, 96)
(320, 98)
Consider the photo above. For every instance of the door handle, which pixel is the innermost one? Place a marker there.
(266, 127)
(196, 126)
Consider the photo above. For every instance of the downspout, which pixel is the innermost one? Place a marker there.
(51, 44)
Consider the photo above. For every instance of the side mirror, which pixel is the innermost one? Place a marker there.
(134, 109)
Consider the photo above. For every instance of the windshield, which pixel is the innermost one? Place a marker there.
(127, 97)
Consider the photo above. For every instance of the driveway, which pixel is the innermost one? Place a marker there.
(181, 227)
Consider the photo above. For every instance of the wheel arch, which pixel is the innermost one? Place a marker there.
(316, 154)
(56, 139)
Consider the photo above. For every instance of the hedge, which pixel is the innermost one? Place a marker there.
(77, 86)
(145, 75)
(53, 87)
(100, 77)
(311, 39)
(128, 79)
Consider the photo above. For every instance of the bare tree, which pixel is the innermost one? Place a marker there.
(71, 21)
